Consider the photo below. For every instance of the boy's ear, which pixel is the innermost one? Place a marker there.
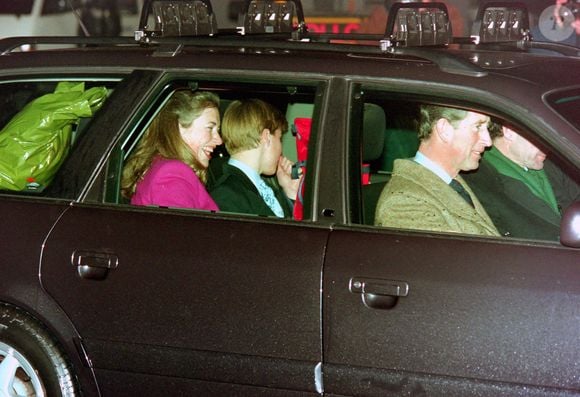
(265, 136)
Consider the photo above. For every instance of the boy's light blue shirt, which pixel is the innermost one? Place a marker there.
(249, 171)
(265, 191)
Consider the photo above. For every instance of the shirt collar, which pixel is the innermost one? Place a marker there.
(420, 158)
(247, 170)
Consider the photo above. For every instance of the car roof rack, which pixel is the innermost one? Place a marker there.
(9, 44)
(418, 30)
(501, 21)
(176, 18)
(504, 25)
(418, 24)
(445, 61)
(273, 16)
(172, 45)
(525, 45)
(187, 18)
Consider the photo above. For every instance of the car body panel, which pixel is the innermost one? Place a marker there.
(250, 317)
(21, 280)
(463, 306)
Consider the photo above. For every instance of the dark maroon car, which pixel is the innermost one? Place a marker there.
(99, 297)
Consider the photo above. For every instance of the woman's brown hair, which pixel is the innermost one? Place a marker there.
(163, 138)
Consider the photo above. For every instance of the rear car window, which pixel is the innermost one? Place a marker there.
(294, 102)
(40, 123)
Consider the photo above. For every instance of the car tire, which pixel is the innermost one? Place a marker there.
(31, 364)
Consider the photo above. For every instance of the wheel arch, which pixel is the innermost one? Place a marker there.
(36, 304)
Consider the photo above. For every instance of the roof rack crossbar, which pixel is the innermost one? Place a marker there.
(526, 45)
(9, 44)
(559, 48)
(446, 62)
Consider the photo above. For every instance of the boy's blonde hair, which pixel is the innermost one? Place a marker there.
(244, 121)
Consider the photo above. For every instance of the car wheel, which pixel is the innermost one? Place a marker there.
(31, 363)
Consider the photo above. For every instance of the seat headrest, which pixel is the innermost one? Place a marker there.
(374, 125)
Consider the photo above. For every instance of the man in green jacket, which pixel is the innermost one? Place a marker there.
(522, 192)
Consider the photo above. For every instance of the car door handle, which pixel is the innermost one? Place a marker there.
(94, 265)
(378, 293)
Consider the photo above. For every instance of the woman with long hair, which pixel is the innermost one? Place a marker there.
(169, 166)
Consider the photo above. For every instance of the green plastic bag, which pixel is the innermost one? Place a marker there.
(35, 142)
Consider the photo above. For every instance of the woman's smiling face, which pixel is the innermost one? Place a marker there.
(202, 136)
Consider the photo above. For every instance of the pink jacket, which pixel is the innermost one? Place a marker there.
(172, 183)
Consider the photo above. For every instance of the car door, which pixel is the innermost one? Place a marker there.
(439, 314)
(189, 298)
(417, 313)
(171, 301)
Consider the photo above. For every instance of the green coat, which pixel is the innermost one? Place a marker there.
(416, 198)
(514, 209)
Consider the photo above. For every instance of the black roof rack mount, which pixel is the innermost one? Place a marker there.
(500, 21)
(176, 18)
(273, 16)
(418, 24)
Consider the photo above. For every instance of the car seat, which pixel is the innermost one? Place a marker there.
(373, 143)
(373, 136)
(293, 111)
(401, 139)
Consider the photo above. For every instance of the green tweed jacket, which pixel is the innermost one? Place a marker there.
(416, 198)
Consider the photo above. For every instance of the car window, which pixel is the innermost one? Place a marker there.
(57, 6)
(567, 103)
(48, 6)
(16, 7)
(41, 124)
(511, 183)
(296, 106)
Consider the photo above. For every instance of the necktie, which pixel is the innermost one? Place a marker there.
(270, 199)
(458, 187)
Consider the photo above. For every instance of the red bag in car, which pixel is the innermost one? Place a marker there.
(302, 126)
